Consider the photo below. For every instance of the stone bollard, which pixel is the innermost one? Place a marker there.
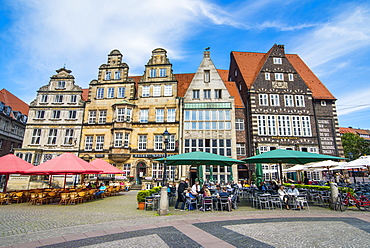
(334, 194)
(163, 202)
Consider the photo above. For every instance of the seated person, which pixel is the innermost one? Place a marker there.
(293, 190)
(196, 188)
(283, 196)
(206, 191)
(223, 193)
(189, 196)
(102, 189)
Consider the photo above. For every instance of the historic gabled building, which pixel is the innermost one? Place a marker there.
(287, 107)
(208, 119)
(55, 120)
(13, 118)
(107, 124)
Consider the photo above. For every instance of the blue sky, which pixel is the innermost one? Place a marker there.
(332, 37)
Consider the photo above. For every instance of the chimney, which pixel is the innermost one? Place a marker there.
(281, 48)
(206, 54)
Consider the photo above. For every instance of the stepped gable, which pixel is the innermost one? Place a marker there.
(14, 102)
(184, 81)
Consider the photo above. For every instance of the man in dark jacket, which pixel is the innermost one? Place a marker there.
(180, 198)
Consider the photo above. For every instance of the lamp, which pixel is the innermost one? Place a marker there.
(163, 210)
(166, 135)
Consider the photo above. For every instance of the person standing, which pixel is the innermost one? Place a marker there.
(180, 198)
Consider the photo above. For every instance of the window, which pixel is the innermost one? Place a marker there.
(156, 90)
(40, 114)
(171, 143)
(168, 90)
(162, 72)
(288, 100)
(107, 75)
(290, 77)
(277, 61)
(159, 115)
(56, 114)
(271, 125)
(262, 128)
(299, 101)
(240, 149)
(158, 142)
(263, 149)
(274, 100)
(121, 92)
(117, 75)
(73, 98)
(143, 115)
(207, 78)
(88, 143)
(157, 170)
(126, 169)
(61, 85)
(28, 157)
(236, 72)
(153, 72)
(121, 115)
(306, 126)
(196, 94)
(142, 142)
(267, 76)
(72, 114)
(58, 98)
(110, 93)
(99, 143)
(52, 139)
(118, 139)
(127, 139)
(36, 136)
(128, 114)
(284, 125)
(239, 124)
(279, 76)
(263, 99)
(102, 116)
(296, 123)
(92, 117)
(171, 115)
(44, 98)
(218, 94)
(68, 137)
(100, 93)
(145, 92)
(207, 94)
(323, 103)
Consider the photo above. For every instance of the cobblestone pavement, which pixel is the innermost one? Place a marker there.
(115, 222)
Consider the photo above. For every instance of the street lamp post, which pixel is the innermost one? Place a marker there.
(163, 209)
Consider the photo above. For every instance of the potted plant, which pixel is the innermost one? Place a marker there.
(140, 197)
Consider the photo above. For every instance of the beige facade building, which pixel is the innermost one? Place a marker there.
(55, 120)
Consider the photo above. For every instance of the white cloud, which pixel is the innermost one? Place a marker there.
(354, 101)
(346, 33)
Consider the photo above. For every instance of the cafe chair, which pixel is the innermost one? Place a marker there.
(276, 202)
(301, 200)
(191, 203)
(149, 203)
(225, 202)
(4, 198)
(33, 199)
(17, 197)
(207, 203)
(64, 198)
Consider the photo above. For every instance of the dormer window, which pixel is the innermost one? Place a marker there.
(277, 61)
(290, 77)
(323, 103)
(267, 76)
(58, 98)
(44, 98)
(153, 73)
(61, 85)
(108, 75)
(162, 72)
(117, 75)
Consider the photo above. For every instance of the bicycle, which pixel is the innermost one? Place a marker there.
(343, 202)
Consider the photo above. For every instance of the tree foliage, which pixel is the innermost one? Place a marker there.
(353, 143)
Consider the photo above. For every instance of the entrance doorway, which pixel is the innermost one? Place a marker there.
(140, 172)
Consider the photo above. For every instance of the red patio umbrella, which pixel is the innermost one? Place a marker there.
(11, 164)
(106, 167)
(65, 164)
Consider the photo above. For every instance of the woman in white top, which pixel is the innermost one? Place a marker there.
(283, 196)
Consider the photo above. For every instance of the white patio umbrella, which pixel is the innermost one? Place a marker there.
(297, 167)
(363, 160)
(323, 164)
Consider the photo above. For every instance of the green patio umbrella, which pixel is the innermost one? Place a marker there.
(211, 173)
(198, 159)
(280, 156)
(259, 171)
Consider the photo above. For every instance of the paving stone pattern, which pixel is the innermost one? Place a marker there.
(115, 222)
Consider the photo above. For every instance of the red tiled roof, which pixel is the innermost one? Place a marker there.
(14, 102)
(343, 130)
(319, 91)
(250, 65)
(184, 81)
(361, 131)
(231, 87)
